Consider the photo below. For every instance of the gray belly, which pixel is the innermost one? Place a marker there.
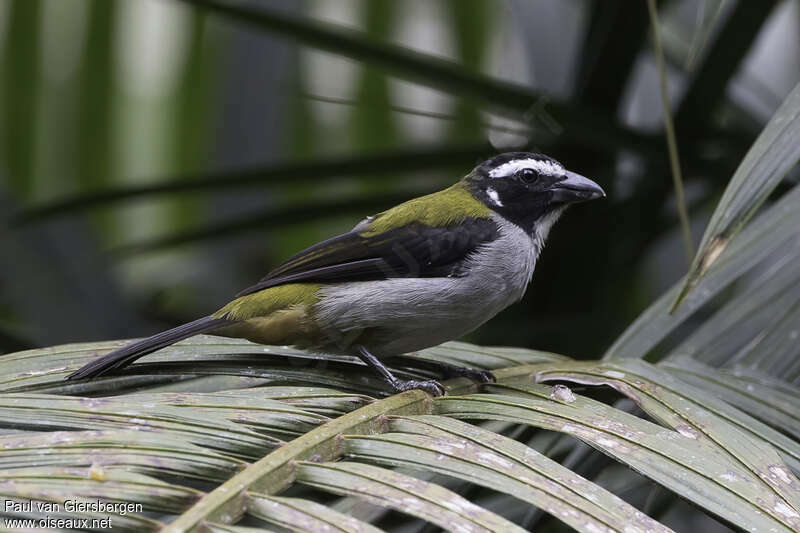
(395, 316)
(400, 315)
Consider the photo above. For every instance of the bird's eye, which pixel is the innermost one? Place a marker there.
(527, 175)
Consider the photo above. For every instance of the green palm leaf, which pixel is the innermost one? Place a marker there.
(711, 453)
(772, 156)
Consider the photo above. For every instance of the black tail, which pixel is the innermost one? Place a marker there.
(135, 350)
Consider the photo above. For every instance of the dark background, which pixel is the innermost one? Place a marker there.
(157, 156)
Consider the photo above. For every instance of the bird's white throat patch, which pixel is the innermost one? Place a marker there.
(547, 168)
(542, 227)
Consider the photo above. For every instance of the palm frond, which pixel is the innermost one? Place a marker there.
(245, 446)
(772, 156)
(772, 235)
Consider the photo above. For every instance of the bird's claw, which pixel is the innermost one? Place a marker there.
(431, 386)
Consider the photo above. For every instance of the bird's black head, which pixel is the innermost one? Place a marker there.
(524, 187)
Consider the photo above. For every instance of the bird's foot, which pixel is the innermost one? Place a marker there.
(481, 376)
(431, 386)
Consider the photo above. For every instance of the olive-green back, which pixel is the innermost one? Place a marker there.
(443, 208)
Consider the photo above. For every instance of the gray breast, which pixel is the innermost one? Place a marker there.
(400, 315)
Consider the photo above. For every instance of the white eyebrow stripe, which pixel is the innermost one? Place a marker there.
(548, 168)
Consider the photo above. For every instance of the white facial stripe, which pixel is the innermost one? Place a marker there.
(547, 168)
(494, 197)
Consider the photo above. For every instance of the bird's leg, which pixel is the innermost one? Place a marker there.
(430, 386)
(450, 371)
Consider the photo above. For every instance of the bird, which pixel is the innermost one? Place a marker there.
(426, 271)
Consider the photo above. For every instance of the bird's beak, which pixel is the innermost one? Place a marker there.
(576, 188)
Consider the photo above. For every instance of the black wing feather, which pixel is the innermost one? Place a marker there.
(414, 250)
(128, 354)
